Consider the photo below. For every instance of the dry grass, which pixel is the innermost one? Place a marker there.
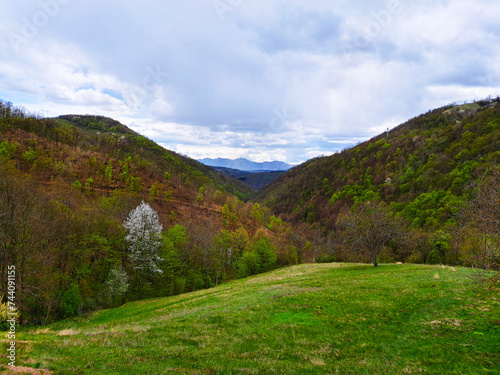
(68, 332)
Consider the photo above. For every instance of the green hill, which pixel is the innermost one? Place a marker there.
(67, 185)
(422, 168)
(113, 138)
(436, 179)
(306, 319)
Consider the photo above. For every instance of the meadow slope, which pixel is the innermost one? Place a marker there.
(306, 319)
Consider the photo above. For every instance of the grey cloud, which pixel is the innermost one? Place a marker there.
(273, 76)
(298, 29)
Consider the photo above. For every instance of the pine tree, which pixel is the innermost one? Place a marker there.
(144, 237)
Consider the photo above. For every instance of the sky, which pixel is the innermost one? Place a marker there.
(283, 80)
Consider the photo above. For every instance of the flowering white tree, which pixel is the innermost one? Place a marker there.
(144, 237)
(117, 282)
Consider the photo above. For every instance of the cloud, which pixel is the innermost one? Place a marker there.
(265, 79)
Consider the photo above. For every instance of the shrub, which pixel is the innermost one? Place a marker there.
(247, 265)
(70, 301)
(77, 185)
(266, 255)
(7, 149)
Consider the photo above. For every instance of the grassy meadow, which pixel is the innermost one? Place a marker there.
(306, 319)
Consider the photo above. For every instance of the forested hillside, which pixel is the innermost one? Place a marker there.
(256, 180)
(427, 174)
(68, 184)
(259, 180)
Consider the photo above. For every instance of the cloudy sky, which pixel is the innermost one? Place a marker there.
(263, 79)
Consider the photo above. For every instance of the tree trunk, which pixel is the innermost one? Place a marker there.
(375, 264)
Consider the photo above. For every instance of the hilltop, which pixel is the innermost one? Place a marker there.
(306, 319)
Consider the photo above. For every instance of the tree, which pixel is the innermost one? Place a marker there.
(247, 265)
(144, 237)
(419, 241)
(481, 224)
(174, 242)
(71, 301)
(266, 254)
(440, 247)
(370, 228)
(117, 282)
(222, 255)
(483, 211)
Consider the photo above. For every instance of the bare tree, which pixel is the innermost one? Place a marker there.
(369, 228)
(484, 210)
(481, 223)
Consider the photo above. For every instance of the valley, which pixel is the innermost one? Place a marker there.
(246, 281)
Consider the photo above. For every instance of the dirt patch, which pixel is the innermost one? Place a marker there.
(448, 322)
(26, 370)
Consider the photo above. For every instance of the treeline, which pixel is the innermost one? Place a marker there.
(9, 112)
(66, 189)
(374, 231)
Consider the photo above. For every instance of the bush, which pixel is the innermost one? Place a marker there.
(71, 301)
(7, 150)
(261, 258)
(325, 258)
(77, 185)
(266, 255)
(247, 265)
(117, 282)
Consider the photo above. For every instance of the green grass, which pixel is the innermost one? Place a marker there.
(307, 319)
(468, 106)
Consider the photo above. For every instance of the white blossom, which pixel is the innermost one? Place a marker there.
(144, 238)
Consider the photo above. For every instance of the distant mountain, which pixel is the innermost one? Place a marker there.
(247, 165)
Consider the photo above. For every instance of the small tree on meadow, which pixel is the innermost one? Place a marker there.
(369, 228)
(144, 238)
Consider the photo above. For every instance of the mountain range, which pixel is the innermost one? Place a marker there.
(247, 165)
